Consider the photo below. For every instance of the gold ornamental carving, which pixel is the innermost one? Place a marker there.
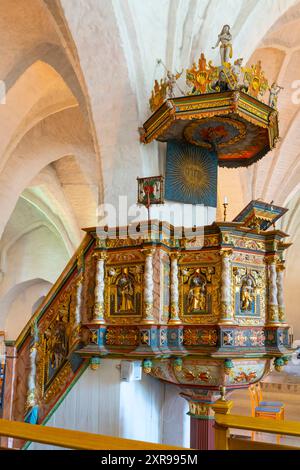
(55, 338)
(200, 409)
(124, 293)
(58, 383)
(249, 295)
(198, 293)
(121, 336)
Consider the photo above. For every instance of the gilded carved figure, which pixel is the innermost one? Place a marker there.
(247, 294)
(197, 295)
(56, 340)
(224, 39)
(123, 296)
(125, 292)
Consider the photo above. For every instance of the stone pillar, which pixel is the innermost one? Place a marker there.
(226, 288)
(174, 290)
(9, 384)
(148, 288)
(280, 297)
(273, 293)
(202, 426)
(98, 315)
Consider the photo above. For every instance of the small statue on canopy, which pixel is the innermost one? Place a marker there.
(225, 39)
(274, 92)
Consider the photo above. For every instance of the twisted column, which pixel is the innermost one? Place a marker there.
(148, 287)
(98, 315)
(226, 289)
(77, 312)
(31, 400)
(280, 298)
(78, 301)
(273, 292)
(174, 288)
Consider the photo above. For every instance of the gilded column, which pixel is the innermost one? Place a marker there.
(77, 312)
(280, 298)
(174, 287)
(31, 409)
(273, 292)
(226, 289)
(98, 316)
(148, 287)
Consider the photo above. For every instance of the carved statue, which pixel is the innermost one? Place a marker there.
(171, 82)
(274, 92)
(197, 295)
(125, 292)
(222, 83)
(247, 294)
(56, 338)
(237, 70)
(224, 38)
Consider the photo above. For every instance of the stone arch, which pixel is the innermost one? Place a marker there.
(16, 305)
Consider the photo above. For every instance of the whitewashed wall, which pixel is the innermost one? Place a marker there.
(145, 410)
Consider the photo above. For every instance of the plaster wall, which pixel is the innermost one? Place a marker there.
(144, 410)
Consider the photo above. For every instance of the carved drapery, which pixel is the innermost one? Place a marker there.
(174, 288)
(98, 315)
(148, 287)
(226, 288)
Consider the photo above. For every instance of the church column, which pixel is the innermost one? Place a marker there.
(281, 306)
(226, 289)
(202, 426)
(148, 287)
(174, 288)
(98, 316)
(273, 292)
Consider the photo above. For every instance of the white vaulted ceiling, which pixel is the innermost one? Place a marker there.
(78, 75)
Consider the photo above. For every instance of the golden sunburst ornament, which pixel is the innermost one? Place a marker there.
(191, 174)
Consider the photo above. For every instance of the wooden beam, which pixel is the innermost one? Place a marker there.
(244, 444)
(289, 428)
(73, 439)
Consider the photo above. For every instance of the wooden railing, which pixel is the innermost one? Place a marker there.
(225, 422)
(73, 439)
(21, 369)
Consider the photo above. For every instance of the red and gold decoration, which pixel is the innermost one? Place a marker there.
(226, 104)
(221, 324)
(198, 313)
(150, 190)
